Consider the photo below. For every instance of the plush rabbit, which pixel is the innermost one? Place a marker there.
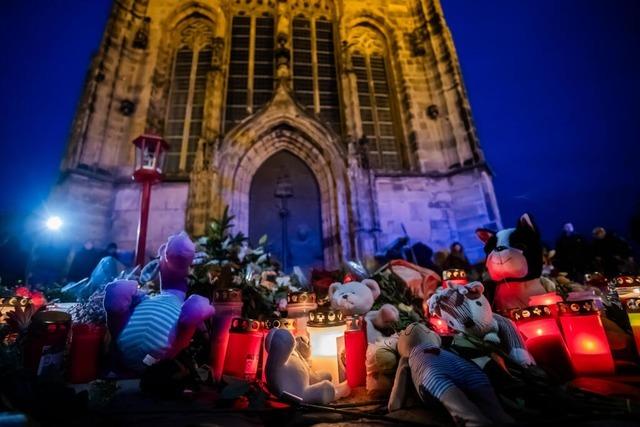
(463, 389)
(288, 372)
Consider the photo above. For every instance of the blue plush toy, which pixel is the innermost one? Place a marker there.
(149, 329)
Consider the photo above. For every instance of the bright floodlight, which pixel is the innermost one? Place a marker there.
(54, 223)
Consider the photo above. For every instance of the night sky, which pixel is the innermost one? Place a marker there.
(554, 88)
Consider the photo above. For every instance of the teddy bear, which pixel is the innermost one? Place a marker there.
(150, 329)
(287, 372)
(465, 309)
(514, 262)
(462, 388)
(357, 298)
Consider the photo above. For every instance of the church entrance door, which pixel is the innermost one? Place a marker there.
(284, 204)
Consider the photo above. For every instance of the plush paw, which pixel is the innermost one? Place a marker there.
(492, 338)
(196, 309)
(388, 314)
(342, 390)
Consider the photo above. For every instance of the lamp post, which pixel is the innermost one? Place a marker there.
(284, 191)
(149, 160)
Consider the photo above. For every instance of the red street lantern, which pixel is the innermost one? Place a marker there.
(150, 156)
(585, 337)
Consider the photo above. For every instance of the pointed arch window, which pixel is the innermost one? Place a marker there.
(315, 81)
(186, 107)
(377, 110)
(251, 67)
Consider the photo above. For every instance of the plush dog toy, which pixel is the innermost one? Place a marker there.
(463, 389)
(288, 372)
(514, 262)
(466, 309)
(150, 329)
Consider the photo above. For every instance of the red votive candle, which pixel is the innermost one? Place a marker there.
(86, 342)
(454, 276)
(46, 342)
(543, 339)
(243, 349)
(549, 299)
(228, 304)
(628, 289)
(299, 304)
(276, 323)
(355, 345)
(585, 337)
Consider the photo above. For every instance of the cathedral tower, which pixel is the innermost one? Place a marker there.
(346, 120)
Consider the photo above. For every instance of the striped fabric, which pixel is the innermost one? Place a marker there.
(435, 370)
(512, 341)
(150, 330)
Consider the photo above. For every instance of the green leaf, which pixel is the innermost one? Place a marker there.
(263, 240)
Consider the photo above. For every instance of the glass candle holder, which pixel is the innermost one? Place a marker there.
(86, 343)
(243, 349)
(454, 276)
(326, 334)
(228, 304)
(585, 337)
(275, 323)
(628, 289)
(299, 305)
(355, 345)
(46, 342)
(550, 300)
(543, 339)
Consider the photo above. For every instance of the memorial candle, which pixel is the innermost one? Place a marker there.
(326, 333)
(243, 349)
(299, 304)
(228, 303)
(628, 289)
(355, 343)
(585, 337)
(454, 276)
(543, 339)
(549, 299)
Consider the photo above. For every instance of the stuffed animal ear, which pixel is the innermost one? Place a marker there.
(526, 221)
(484, 234)
(373, 286)
(401, 383)
(473, 290)
(334, 287)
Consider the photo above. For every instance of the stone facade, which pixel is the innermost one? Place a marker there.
(439, 186)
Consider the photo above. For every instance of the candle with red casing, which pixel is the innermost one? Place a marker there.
(228, 303)
(549, 299)
(543, 339)
(454, 276)
(585, 337)
(299, 304)
(243, 349)
(628, 289)
(355, 345)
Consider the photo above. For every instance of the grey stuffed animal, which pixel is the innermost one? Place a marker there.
(460, 385)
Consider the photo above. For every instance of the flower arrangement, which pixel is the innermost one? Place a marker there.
(225, 260)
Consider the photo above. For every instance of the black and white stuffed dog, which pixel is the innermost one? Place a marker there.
(514, 262)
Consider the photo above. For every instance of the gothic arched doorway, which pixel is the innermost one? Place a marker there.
(284, 191)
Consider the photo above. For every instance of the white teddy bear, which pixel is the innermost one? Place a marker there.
(357, 298)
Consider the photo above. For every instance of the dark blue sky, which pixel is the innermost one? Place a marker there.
(554, 88)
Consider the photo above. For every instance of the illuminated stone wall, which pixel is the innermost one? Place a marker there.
(438, 185)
